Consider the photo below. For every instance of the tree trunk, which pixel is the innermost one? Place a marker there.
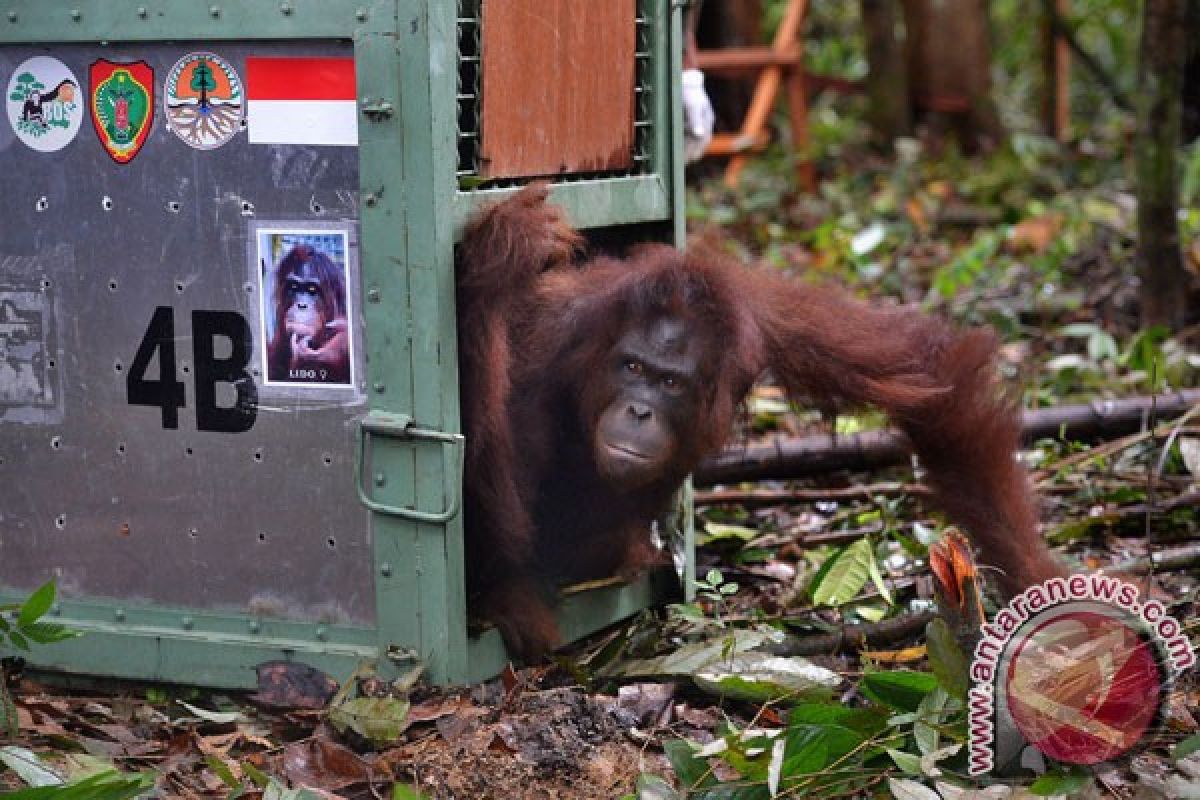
(949, 67)
(887, 80)
(1164, 282)
(729, 24)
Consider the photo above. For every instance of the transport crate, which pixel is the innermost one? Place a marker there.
(203, 507)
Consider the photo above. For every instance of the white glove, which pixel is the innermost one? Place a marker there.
(698, 117)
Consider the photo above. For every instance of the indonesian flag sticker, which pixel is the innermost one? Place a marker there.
(301, 101)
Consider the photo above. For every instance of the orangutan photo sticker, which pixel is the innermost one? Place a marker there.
(304, 282)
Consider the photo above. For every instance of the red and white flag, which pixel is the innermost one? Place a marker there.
(301, 101)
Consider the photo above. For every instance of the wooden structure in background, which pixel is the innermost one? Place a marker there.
(558, 87)
(1056, 72)
(778, 66)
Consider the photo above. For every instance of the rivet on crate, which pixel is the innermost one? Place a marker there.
(119, 615)
(285, 8)
(187, 623)
(385, 570)
(106, 203)
(373, 295)
(380, 479)
(42, 204)
(76, 14)
(142, 12)
(255, 626)
(215, 11)
(361, 15)
(174, 206)
(322, 634)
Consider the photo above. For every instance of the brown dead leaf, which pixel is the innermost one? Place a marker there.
(323, 764)
(436, 708)
(905, 656)
(1035, 234)
(917, 215)
(649, 703)
(288, 684)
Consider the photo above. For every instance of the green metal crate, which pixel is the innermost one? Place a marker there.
(415, 161)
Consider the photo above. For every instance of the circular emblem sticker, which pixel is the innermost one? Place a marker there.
(204, 101)
(43, 103)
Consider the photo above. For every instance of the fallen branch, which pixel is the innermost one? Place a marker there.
(796, 457)
(852, 638)
(1179, 558)
(760, 498)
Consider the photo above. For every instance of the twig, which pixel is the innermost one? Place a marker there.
(1168, 560)
(852, 638)
(757, 498)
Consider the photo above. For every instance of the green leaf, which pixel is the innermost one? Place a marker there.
(1059, 782)
(380, 720)
(222, 771)
(37, 605)
(108, 785)
(19, 641)
(1186, 747)
(696, 656)
(256, 776)
(867, 722)
(720, 532)
(846, 576)
(926, 728)
(760, 677)
(29, 767)
(812, 748)
(215, 717)
(48, 632)
(653, 787)
(904, 789)
(404, 792)
(946, 658)
(899, 689)
(692, 771)
(907, 762)
(877, 579)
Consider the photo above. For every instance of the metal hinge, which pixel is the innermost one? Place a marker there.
(402, 426)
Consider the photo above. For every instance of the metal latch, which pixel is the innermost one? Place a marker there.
(402, 426)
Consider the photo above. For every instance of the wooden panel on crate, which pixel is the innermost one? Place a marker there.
(558, 87)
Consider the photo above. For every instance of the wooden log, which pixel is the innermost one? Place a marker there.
(795, 457)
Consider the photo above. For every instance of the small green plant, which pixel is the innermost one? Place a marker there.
(21, 626)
